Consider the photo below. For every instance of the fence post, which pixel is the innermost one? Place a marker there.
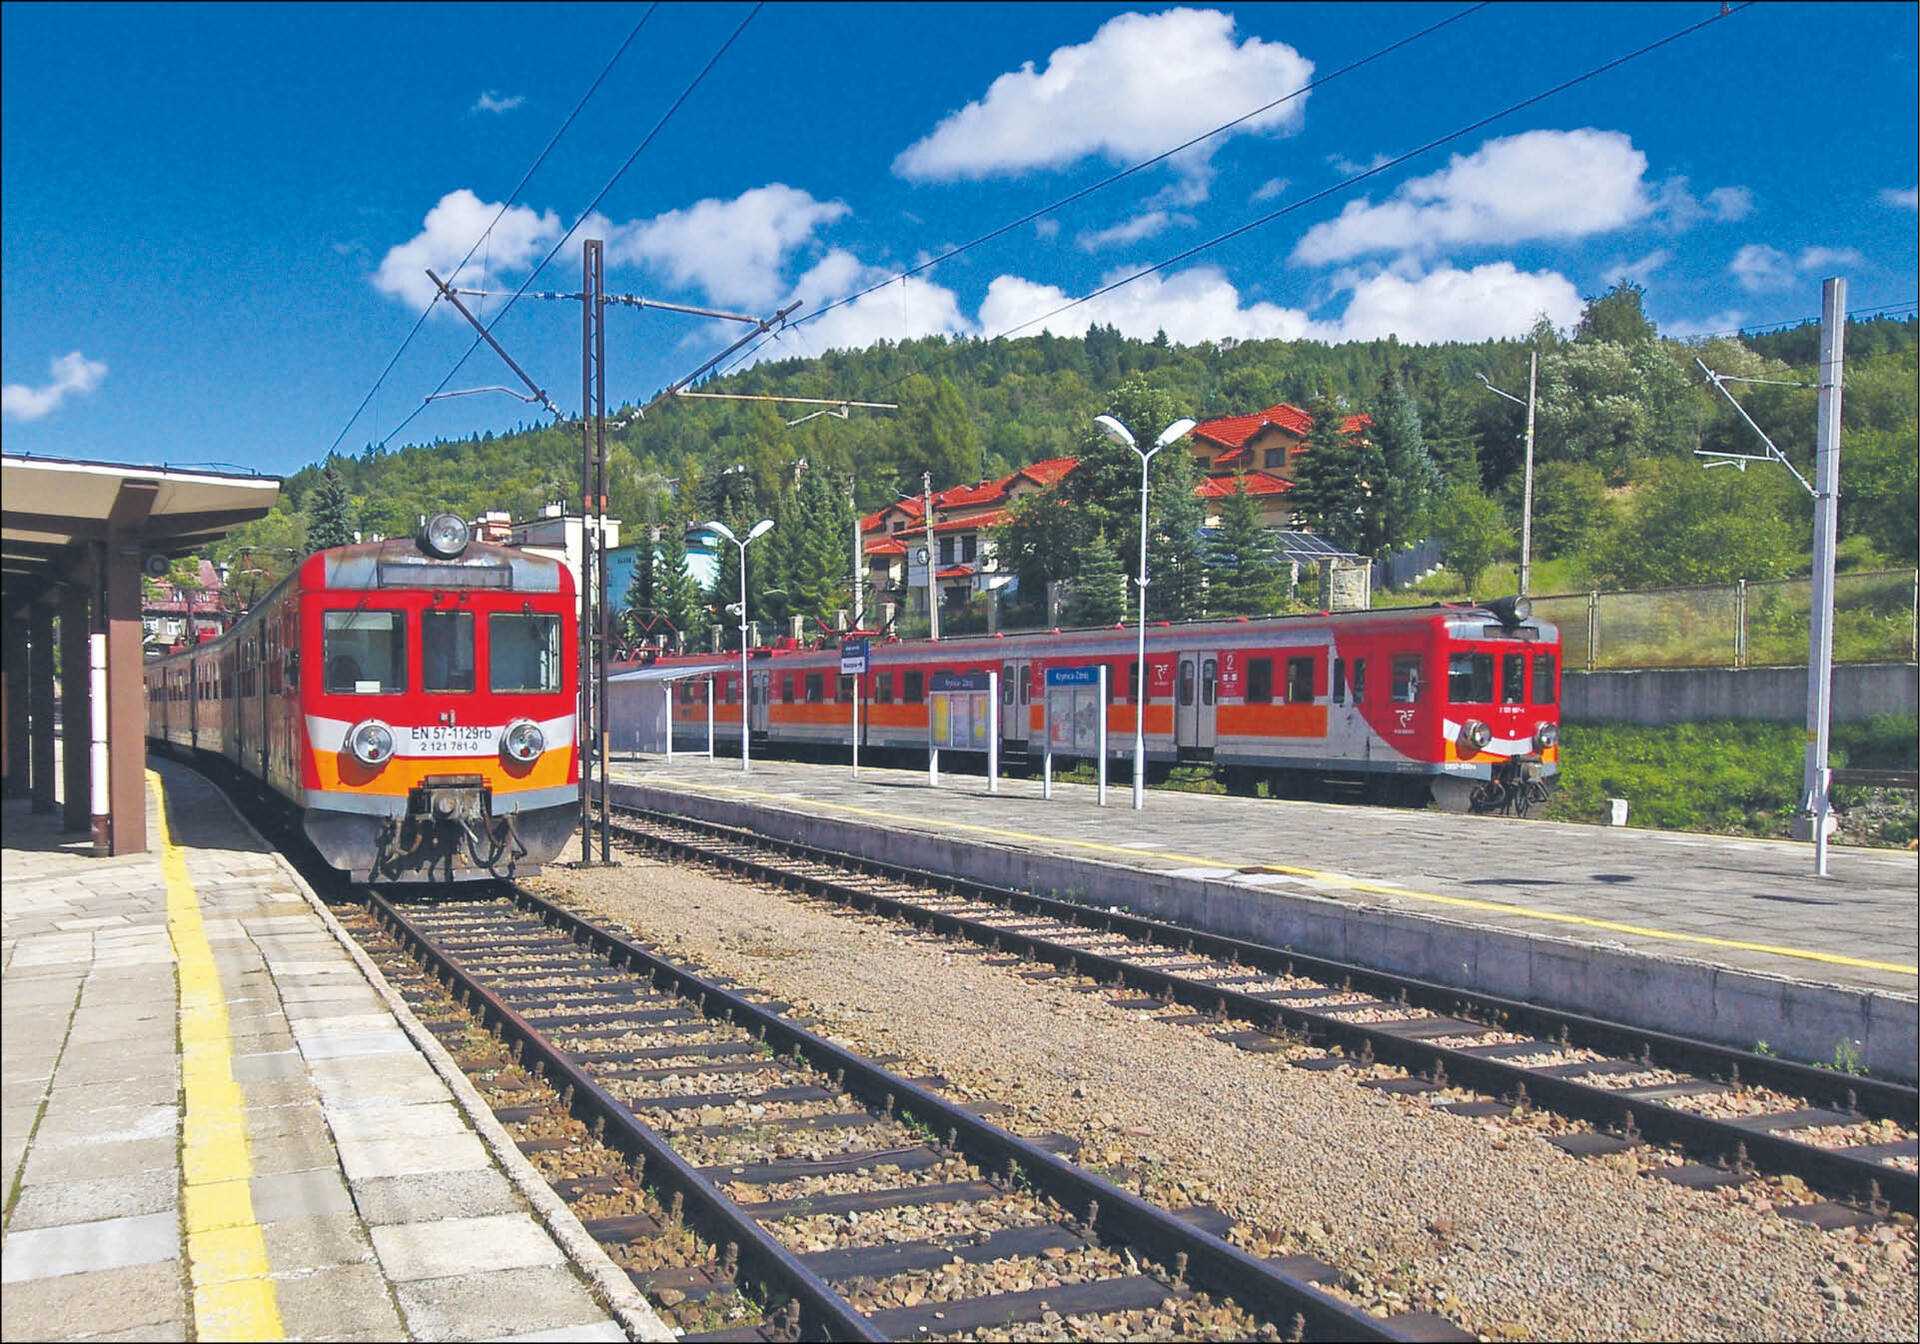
(1593, 627)
(1740, 623)
(1913, 626)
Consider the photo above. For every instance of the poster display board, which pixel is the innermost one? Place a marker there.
(1076, 721)
(963, 714)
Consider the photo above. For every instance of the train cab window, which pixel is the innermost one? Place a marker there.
(816, 688)
(1470, 678)
(1299, 681)
(914, 690)
(446, 650)
(523, 651)
(1339, 696)
(1259, 681)
(1513, 678)
(365, 653)
(883, 688)
(1542, 678)
(1359, 681)
(786, 689)
(1406, 679)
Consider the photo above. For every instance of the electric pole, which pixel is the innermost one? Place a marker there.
(1526, 489)
(859, 559)
(1826, 508)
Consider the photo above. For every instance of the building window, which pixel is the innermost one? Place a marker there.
(946, 550)
(1274, 457)
(969, 548)
(1260, 681)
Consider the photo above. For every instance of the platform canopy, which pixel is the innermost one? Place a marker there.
(51, 503)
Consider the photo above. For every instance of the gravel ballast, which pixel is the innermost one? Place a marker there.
(1479, 1220)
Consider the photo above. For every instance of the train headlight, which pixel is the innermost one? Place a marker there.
(1546, 735)
(370, 741)
(1475, 735)
(445, 535)
(523, 741)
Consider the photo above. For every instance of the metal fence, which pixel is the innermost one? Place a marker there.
(1763, 623)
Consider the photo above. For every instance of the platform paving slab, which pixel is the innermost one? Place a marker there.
(348, 1130)
(1689, 933)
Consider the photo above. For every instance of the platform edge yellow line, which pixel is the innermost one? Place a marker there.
(233, 1297)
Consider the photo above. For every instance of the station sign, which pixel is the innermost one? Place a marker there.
(854, 657)
(960, 681)
(1073, 676)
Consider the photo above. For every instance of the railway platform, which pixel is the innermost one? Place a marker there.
(221, 1123)
(1728, 939)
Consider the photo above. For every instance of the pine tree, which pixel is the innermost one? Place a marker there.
(1176, 559)
(1245, 575)
(1334, 484)
(642, 619)
(1408, 477)
(1099, 589)
(678, 599)
(329, 513)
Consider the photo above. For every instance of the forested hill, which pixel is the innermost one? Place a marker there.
(1617, 401)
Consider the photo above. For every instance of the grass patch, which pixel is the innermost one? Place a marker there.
(1729, 777)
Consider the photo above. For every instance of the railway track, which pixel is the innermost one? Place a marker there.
(826, 1177)
(1733, 1113)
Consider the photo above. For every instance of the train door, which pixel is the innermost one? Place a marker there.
(1347, 731)
(757, 701)
(1015, 696)
(1197, 701)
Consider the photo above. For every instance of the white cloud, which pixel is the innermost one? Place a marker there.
(1198, 304)
(735, 251)
(72, 375)
(1201, 304)
(1823, 258)
(1047, 228)
(1133, 230)
(1677, 209)
(899, 311)
(1730, 204)
(1487, 302)
(1346, 167)
(1728, 319)
(495, 102)
(1141, 83)
(1269, 189)
(448, 231)
(1759, 267)
(1539, 184)
(1639, 270)
(1900, 198)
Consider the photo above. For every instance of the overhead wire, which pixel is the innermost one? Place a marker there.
(1755, 328)
(505, 205)
(587, 213)
(1122, 174)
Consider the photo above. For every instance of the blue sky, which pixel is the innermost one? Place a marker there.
(215, 217)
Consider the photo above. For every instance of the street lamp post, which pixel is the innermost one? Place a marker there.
(760, 528)
(1119, 433)
(1526, 488)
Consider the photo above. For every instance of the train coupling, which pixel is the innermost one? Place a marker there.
(462, 799)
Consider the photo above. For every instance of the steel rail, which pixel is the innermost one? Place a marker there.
(1211, 1262)
(1845, 1175)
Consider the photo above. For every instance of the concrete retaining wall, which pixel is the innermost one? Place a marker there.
(1655, 696)
(1797, 1020)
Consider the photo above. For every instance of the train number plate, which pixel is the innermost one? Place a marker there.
(448, 740)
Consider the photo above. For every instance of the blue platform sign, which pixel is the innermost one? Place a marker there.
(960, 681)
(854, 655)
(1073, 676)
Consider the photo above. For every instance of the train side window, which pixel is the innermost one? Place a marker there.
(1259, 681)
(446, 650)
(1113, 685)
(1133, 683)
(915, 689)
(1513, 678)
(1186, 683)
(1542, 678)
(1339, 681)
(1470, 678)
(883, 688)
(1209, 680)
(816, 691)
(1006, 686)
(365, 653)
(523, 652)
(1359, 680)
(844, 690)
(786, 689)
(1299, 681)
(1026, 688)
(1406, 679)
